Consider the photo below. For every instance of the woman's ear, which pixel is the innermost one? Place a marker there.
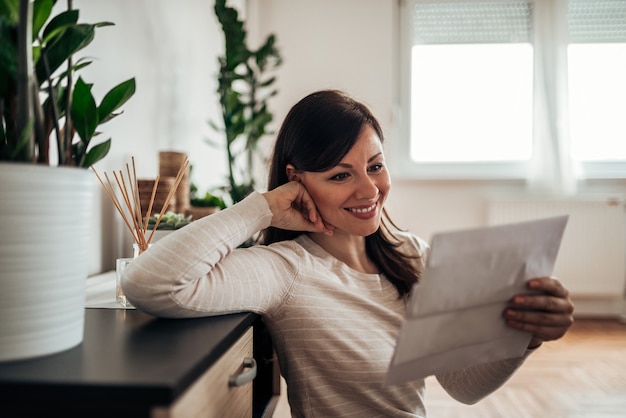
(292, 173)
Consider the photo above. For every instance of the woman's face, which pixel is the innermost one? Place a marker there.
(351, 195)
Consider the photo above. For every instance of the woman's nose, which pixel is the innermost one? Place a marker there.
(367, 188)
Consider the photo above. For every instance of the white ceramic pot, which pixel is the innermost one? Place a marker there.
(44, 241)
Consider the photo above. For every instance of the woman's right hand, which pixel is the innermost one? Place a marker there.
(293, 209)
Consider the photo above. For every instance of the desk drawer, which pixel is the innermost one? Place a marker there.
(212, 395)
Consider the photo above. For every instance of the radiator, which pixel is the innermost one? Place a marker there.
(592, 258)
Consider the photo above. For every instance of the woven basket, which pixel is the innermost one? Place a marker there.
(164, 186)
(170, 163)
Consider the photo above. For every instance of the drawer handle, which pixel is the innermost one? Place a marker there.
(244, 377)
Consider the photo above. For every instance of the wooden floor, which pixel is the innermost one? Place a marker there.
(583, 375)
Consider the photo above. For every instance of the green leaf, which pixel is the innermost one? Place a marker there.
(82, 63)
(97, 153)
(259, 122)
(240, 191)
(115, 98)
(79, 149)
(268, 82)
(59, 23)
(8, 59)
(73, 39)
(84, 111)
(234, 35)
(59, 94)
(41, 12)
(215, 126)
(266, 52)
(208, 200)
(23, 151)
(10, 11)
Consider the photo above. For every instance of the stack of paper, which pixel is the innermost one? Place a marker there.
(455, 314)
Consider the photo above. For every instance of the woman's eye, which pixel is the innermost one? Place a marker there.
(339, 177)
(376, 167)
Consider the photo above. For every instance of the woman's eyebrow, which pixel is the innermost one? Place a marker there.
(372, 158)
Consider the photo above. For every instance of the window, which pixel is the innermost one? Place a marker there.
(597, 75)
(513, 89)
(492, 74)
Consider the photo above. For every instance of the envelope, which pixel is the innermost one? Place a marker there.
(454, 315)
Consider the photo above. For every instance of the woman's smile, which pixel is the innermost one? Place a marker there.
(364, 212)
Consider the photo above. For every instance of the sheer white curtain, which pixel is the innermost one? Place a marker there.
(552, 169)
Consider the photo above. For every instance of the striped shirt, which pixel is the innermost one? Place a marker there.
(334, 328)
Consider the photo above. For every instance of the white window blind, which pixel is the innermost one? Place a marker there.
(597, 21)
(473, 22)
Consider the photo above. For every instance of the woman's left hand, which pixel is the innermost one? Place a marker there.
(547, 313)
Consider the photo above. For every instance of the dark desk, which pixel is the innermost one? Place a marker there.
(128, 362)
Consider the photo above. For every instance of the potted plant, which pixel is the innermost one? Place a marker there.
(204, 205)
(170, 221)
(244, 89)
(48, 119)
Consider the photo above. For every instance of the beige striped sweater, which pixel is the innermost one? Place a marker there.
(334, 328)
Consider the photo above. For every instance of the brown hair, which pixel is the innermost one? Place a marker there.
(315, 136)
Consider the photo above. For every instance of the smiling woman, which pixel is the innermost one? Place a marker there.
(332, 145)
(332, 274)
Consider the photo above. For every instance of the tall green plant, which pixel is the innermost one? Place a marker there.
(244, 89)
(39, 98)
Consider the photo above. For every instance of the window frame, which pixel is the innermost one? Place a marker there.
(405, 168)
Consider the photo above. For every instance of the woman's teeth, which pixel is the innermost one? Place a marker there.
(365, 210)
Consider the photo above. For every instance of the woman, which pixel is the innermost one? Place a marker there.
(332, 276)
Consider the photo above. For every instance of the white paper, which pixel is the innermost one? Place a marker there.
(100, 292)
(454, 315)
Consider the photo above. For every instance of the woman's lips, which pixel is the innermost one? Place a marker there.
(363, 212)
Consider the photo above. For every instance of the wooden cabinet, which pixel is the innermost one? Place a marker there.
(133, 365)
(217, 393)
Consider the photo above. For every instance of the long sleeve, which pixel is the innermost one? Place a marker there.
(474, 383)
(199, 271)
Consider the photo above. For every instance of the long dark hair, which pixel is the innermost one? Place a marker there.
(315, 136)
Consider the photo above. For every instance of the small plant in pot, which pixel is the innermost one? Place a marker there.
(204, 205)
(48, 118)
(168, 222)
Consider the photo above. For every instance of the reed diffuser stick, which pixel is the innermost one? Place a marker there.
(149, 211)
(179, 177)
(110, 191)
(125, 199)
(135, 193)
